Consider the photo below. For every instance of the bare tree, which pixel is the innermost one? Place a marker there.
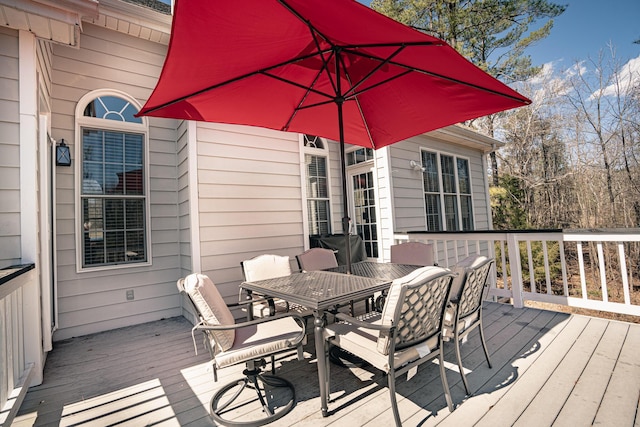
(602, 100)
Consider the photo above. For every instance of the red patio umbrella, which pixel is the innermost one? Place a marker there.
(331, 68)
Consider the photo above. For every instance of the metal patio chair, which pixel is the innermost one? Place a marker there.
(248, 342)
(414, 253)
(261, 267)
(405, 335)
(317, 259)
(464, 314)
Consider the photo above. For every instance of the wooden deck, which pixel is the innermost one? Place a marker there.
(548, 369)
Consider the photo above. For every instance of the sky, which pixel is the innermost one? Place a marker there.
(585, 28)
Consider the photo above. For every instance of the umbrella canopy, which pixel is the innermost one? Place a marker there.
(331, 68)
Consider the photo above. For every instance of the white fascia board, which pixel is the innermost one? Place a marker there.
(135, 14)
(466, 136)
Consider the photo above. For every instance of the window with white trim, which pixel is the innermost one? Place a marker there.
(447, 192)
(318, 201)
(113, 183)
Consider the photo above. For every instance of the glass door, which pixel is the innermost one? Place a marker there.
(363, 210)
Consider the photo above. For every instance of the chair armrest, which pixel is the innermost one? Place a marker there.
(362, 324)
(205, 327)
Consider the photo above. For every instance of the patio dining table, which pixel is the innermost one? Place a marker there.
(321, 291)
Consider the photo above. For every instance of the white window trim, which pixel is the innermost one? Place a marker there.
(94, 122)
(324, 152)
(443, 218)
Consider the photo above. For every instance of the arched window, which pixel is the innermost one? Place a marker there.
(111, 165)
(317, 182)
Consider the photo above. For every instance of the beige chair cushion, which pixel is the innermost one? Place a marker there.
(254, 342)
(211, 305)
(364, 344)
(266, 266)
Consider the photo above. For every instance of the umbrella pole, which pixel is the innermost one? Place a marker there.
(345, 203)
(343, 163)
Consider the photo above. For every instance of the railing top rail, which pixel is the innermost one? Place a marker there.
(554, 230)
(9, 273)
(569, 235)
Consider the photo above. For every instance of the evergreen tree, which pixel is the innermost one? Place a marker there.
(493, 34)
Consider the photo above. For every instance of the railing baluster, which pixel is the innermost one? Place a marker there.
(504, 265)
(583, 280)
(623, 273)
(603, 273)
(532, 271)
(563, 264)
(545, 252)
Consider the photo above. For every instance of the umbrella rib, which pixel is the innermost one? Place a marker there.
(264, 71)
(436, 75)
(354, 87)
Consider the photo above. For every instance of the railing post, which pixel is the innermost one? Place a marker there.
(515, 266)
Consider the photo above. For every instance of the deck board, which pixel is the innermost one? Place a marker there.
(548, 369)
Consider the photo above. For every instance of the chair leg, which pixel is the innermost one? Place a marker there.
(275, 404)
(445, 383)
(484, 343)
(391, 379)
(456, 340)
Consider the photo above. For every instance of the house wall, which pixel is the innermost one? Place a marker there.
(92, 301)
(9, 149)
(250, 199)
(408, 198)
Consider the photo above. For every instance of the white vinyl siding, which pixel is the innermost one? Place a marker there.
(250, 200)
(9, 149)
(93, 301)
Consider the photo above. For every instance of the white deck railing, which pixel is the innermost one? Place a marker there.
(593, 269)
(18, 293)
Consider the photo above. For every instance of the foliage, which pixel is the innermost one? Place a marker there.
(506, 204)
(493, 34)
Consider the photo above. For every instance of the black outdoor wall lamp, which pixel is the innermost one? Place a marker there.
(63, 154)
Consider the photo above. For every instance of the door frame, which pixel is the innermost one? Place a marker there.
(358, 169)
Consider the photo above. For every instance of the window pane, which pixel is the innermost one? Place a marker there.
(113, 147)
(135, 246)
(464, 181)
(448, 174)
(134, 214)
(92, 145)
(466, 210)
(114, 213)
(114, 245)
(113, 176)
(451, 212)
(114, 234)
(112, 108)
(313, 141)
(92, 178)
(133, 149)
(360, 155)
(430, 176)
(318, 214)
(432, 204)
